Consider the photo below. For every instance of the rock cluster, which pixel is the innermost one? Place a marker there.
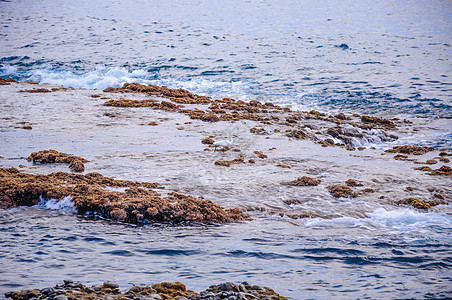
(303, 181)
(379, 121)
(228, 109)
(408, 149)
(341, 191)
(70, 290)
(352, 182)
(243, 291)
(137, 204)
(76, 163)
(260, 154)
(417, 203)
(228, 163)
(444, 170)
(7, 81)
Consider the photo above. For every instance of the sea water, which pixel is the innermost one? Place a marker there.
(387, 58)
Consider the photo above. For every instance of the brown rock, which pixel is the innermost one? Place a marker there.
(341, 191)
(41, 90)
(88, 191)
(438, 196)
(416, 203)
(207, 141)
(304, 181)
(415, 150)
(444, 170)
(226, 163)
(352, 182)
(283, 166)
(260, 154)
(77, 165)
(7, 81)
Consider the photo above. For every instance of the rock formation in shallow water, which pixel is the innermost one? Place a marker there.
(341, 191)
(76, 163)
(303, 181)
(137, 204)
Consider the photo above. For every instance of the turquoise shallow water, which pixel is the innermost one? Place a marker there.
(386, 58)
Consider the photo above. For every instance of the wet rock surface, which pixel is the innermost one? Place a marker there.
(343, 191)
(71, 290)
(76, 163)
(304, 181)
(137, 204)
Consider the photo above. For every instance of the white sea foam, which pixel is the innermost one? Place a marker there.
(399, 220)
(409, 218)
(103, 77)
(64, 204)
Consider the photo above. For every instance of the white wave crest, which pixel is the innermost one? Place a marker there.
(103, 77)
(402, 220)
(64, 204)
(410, 218)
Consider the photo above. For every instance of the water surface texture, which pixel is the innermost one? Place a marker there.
(382, 58)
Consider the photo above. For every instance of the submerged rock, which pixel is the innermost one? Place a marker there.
(137, 204)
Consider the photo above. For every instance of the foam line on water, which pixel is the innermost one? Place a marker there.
(103, 77)
(400, 220)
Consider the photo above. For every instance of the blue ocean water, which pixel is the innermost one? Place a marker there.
(383, 58)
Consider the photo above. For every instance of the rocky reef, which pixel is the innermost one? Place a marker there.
(70, 290)
(137, 204)
(347, 128)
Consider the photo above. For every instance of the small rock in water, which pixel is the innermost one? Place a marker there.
(46, 290)
(111, 285)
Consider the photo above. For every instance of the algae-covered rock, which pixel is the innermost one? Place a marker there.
(228, 163)
(137, 204)
(260, 154)
(341, 191)
(303, 181)
(352, 182)
(444, 170)
(76, 163)
(207, 141)
(7, 81)
(407, 149)
(417, 203)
